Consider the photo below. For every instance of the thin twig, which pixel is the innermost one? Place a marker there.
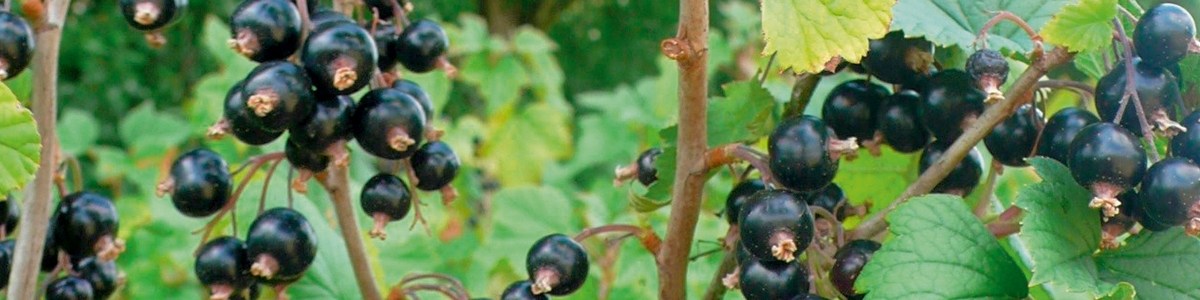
(767, 69)
(1131, 94)
(336, 181)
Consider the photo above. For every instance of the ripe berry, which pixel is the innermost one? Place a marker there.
(829, 198)
(69, 288)
(6, 260)
(420, 46)
(87, 225)
(848, 262)
(282, 244)
(521, 290)
(963, 178)
(223, 266)
(323, 17)
(242, 121)
(388, 123)
(772, 280)
(950, 105)
(385, 198)
(16, 45)
(199, 183)
(1108, 160)
(775, 225)
(647, 168)
(1156, 88)
(1133, 207)
(277, 95)
(101, 274)
(311, 5)
(1011, 141)
(414, 90)
(302, 158)
(340, 58)
(1164, 34)
(899, 122)
(10, 213)
(557, 265)
(899, 60)
(265, 30)
(386, 37)
(50, 251)
(329, 123)
(1170, 194)
(851, 109)
(988, 70)
(737, 198)
(435, 165)
(1187, 144)
(147, 15)
(1061, 129)
(804, 153)
(383, 7)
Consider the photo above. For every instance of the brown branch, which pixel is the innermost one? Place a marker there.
(336, 182)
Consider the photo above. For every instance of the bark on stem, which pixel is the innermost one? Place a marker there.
(337, 183)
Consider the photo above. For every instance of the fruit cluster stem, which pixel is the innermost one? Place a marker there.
(1131, 94)
(337, 183)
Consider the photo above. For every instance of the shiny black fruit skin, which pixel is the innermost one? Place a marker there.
(328, 124)
(224, 261)
(147, 15)
(418, 93)
(1156, 87)
(851, 109)
(829, 198)
(899, 123)
(201, 183)
(521, 290)
(987, 69)
(312, 5)
(1163, 34)
(737, 198)
(770, 217)
(84, 219)
(557, 255)
(647, 167)
(281, 82)
(1131, 201)
(6, 260)
(1104, 153)
(420, 46)
(950, 104)
(435, 165)
(16, 45)
(1011, 141)
(302, 158)
(382, 111)
(339, 49)
(323, 17)
(10, 214)
(800, 157)
(1169, 190)
(1061, 129)
(242, 121)
(899, 60)
(69, 288)
(1187, 144)
(286, 236)
(101, 274)
(849, 262)
(386, 194)
(963, 178)
(772, 280)
(265, 30)
(386, 37)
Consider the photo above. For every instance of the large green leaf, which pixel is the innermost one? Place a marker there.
(1082, 26)
(148, 130)
(20, 144)
(936, 238)
(513, 232)
(808, 33)
(522, 143)
(1160, 265)
(745, 114)
(957, 22)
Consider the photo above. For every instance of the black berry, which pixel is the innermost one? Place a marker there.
(388, 123)
(383, 8)
(950, 105)
(848, 263)
(420, 46)
(1187, 144)
(87, 225)
(1061, 129)
(1156, 88)
(988, 70)
(242, 121)
(899, 60)
(775, 225)
(1108, 160)
(281, 244)
(1011, 141)
(10, 213)
(386, 37)
(418, 93)
(1133, 207)
(16, 45)
(6, 260)
(385, 198)
(265, 30)
(328, 124)
(1170, 194)
(199, 183)
(435, 165)
(647, 166)
(804, 153)
(147, 15)
(831, 198)
(1164, 34)
(851, 109)
(302, 158)
(963, 178)
(101, 274)
(899, 122)
(323, 17)
(277, 95)
(772, 280)
(339, 57)
(557, 265)
(223, 266)
(69, 288)
(521, 290)
(737, 198)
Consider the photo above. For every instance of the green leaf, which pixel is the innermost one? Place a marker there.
(808, 33)
(937, 237)
(144, 128)
(745, 114)
(957, 22)
(499, 79)
(77, 131)
(513, 232)
(1160, 265)
(1091, 63)
(522, 143)
(20, 143)
(1082, 26)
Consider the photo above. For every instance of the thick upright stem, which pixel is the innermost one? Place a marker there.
(31, 239)
(689, 49)
(337, 183)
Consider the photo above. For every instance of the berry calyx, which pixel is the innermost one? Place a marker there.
(737, 198)
(339, 57)
(896, 59)
(16, 45)
(278, 95)
(240, 120)
(1170, 194)
(988, 70)
(899, 123)
(281, 244)
(1013, 140)
(148, 15)
(329, 123)
(421, 45)
(1164, 34)
(199, 184)
(1187, 144)
(647, 168)
(557, 265)
(387, 122)
(101, 274)
(1061, 129)
(435, 165)
(775, 225)
(848, 263)
(87, 225)
(386, 198)
(1108, 160)
(963, 178)
(804, 153)
(1156, 88)
(851, 109)
(223, 266)
(772, 280)
(69, 288)
(950, 104)
(265, 30)
(521, 290)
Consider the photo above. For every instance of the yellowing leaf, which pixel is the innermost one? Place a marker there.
(808, 33)
(1082, 26)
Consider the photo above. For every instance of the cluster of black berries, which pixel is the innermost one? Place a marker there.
(557, 266)
(81, 240)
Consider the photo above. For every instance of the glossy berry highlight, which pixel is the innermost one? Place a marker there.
(896, 59)
(557, 265)
(421, 45)
(772, 280)
(199, 184)
(848, 263)
(775, 225)
(340, 58)
(281, 245)
(521, 290)
(647, 166)
(1170, 194)
(1165, 34)
(386, 198)
(277, 95)
(87, 225)
(1108, 160)
(804, 153)
(103, 275)
(223, 266)
(265, 30)
(16, 45)
(851, 109)
(900, 124)
(69, 288)
(435, 165)
(1061, 129)
(388, 123)
(240, 120)
(148, 15)
(950, 105)
(1156, 88)
(1013, 140)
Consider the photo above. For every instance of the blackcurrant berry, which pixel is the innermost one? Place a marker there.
(1133, 207)
(69, 288)
(1061, 129)
(647, 168)
(557, 265)
(51, 250)
(435, 165)
(852, 107)
(384, 8)
(223, 266)
(1011, 141)
(829, 198)
(199, 183)
(988, 70)
(340, 58)
(1187, 144)
(16, 45)
(899, 122)
(737, 198)
(10, 214)
(265, 30)
(1156, 88)
(963, 178)
(147, 15)
(88, 225)
(302, 158)
(281, 244)
(323, 17)
(1170, 193)
(328, 124)
(277, 95)
(242, 121)
(1164, 34)
(950, 105)
(385, 198)
(804, 153)
(420, 46)
(848, 262)
(775, 225)
(101, 274)
(386, 37)
(418, 93)
(899, 60)
(772, 280)
(389, 123)
(6, 260)
(311, 5)
(1108, 160)
(521, 290)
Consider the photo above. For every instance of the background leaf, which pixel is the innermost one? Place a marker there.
(957, 22)
(20, 144)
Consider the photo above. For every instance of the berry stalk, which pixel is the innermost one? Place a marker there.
(337, 183)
